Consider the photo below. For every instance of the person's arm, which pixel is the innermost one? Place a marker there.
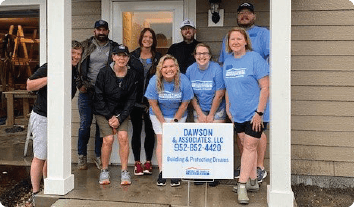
(201, 115)
(222, 51)
(228, 106)
(157, 111)
(99, 103)
(263, 98)
(36, 84)
(182, 108)
(219, 94)
(128, 107)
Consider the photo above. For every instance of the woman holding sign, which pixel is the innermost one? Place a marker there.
(246, 77)
(169, 93)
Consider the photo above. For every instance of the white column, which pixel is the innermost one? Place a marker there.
(279, 191)
(60, 180)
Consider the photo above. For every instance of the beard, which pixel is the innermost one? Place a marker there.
(101, 37)
(247, 25)
(190, 38)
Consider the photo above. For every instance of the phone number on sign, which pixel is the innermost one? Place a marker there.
(197, 147)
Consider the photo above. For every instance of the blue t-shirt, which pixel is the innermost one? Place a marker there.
(169, 100)
(241, 80)
(205, 83)
(260, 43)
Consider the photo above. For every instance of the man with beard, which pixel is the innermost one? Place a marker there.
(183, 51)
(97, 54)
(260, 37)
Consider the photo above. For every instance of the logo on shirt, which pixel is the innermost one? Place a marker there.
(198, 85)
(166, 95)
(236, 73)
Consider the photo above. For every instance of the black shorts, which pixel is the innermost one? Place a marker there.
(246, 127)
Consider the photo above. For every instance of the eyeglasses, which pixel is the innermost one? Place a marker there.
(201, 53)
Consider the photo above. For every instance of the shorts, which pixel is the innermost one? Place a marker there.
(246, 127)
(39, 132)
(157, 126)
(105, 129)
(219, 114)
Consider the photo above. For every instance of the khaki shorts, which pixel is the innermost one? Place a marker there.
(106, 130)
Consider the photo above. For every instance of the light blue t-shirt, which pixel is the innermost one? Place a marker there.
(169, 100)
(260, 37)
(241, 80)
(205, 83)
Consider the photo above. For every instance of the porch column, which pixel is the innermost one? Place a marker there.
(279, 193)
(60, 180)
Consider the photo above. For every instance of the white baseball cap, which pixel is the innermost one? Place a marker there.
(187, 22)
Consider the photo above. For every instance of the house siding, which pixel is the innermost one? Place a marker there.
(322, 84)
(321, 70)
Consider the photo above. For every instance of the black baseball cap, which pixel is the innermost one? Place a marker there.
(101, 23)
(246, 5)
(120, 49)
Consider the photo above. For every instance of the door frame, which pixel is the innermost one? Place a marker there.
(189, 11)
(41, 5)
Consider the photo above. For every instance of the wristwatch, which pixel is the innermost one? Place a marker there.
(259, 113)
(175, 120)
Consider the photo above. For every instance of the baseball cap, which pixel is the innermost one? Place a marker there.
(187, 22)
(120, 49)
(246, 5)
(101, 23)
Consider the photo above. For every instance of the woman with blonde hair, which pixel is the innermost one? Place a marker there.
(169, 93)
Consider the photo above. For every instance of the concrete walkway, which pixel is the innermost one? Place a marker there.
(144, 192)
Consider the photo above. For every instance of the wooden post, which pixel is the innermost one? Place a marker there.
(23, 44)
(10, 109)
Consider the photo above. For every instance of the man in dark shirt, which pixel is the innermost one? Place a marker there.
(97, 55)
(183, 51)
(38, 82)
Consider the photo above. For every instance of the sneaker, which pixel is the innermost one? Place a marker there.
(237, 172)
(242, 196)
(261, 174)
(148, 168)
(175, 182)
(251, 185)
(125, 178)
(104, 177)
(138, 169)
(161, 181)
(82, 163)
(31, 201)
(97, 161)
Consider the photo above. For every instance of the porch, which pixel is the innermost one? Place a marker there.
(143, 191)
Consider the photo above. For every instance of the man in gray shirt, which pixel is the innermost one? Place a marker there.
(97, 54)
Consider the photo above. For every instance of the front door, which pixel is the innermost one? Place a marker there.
(128, 18)
(164, 17)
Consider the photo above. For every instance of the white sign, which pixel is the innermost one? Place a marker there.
(198, 151)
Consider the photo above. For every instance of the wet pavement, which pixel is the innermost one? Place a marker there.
(88, 192)
(143, 191)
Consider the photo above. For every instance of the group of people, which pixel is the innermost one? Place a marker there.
(144, 86)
